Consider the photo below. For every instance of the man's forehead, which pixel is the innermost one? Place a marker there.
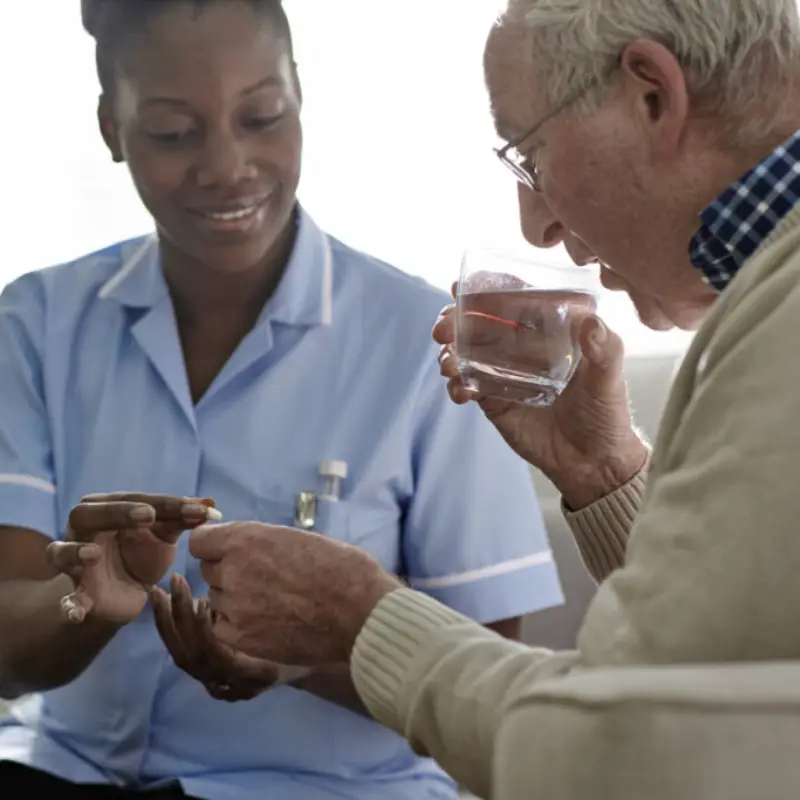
(510, 81)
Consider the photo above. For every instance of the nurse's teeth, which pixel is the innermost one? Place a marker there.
(230, 215)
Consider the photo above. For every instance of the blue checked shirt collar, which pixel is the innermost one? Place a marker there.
(738, 222)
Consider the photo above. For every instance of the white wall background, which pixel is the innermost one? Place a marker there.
(398, 159)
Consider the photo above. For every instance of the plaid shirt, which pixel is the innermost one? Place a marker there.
(738, 222)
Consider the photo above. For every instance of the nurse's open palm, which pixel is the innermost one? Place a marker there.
(585, 442)
(117, 547)
(227, 674)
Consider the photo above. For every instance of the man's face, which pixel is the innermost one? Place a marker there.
(613, 181)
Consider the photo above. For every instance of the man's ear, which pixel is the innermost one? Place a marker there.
(109, 129)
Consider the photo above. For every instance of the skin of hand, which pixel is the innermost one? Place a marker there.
(118, 546)
(186, 628)
(585, 442)
(287, 596)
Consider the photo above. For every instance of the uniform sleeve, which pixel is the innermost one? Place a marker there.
(27, 486)
(474, 537)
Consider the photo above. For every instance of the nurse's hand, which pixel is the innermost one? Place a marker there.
(585, 442)
(287, 596)
(117, 546)
(226, 673)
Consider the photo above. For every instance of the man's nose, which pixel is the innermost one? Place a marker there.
(224, 161)
(539, 227)
(612, 281)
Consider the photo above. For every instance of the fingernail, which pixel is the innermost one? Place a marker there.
(142, 514)
(89, 552)
(599, 334)
(194, 511)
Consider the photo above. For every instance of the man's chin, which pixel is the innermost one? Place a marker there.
(686, 319)
(657, 321)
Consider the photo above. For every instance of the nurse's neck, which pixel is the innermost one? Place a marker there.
(201, 293)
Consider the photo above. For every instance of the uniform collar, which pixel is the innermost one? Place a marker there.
(303, 296)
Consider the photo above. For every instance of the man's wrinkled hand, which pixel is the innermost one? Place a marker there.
(226, 673)
(287, 596)
(585, 443)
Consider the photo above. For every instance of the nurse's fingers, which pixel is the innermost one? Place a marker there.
(165, 625)
(167, 508)
(75, 607)
(167, 518)
(71, 558)
(88, 519)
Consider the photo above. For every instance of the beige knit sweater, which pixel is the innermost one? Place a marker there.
(711, 571)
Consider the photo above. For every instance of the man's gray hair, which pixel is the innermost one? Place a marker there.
(733, 52)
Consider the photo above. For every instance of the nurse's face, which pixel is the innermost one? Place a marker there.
(207, 116)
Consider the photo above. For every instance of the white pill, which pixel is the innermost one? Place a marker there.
(214, 515)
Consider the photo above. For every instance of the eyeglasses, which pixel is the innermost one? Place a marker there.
(526, 169)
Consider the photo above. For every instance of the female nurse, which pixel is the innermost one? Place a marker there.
(229, 355)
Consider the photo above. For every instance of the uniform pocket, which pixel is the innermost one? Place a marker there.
(331, 517)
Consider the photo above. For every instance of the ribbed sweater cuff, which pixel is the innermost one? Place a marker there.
(601, 530)
(387, 646)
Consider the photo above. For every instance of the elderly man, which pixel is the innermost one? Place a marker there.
(662, 140)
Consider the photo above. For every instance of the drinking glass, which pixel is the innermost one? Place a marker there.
(517, 324)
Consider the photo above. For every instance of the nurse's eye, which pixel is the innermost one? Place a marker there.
(262, 123)
(171, 137)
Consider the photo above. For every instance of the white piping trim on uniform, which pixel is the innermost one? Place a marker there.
(448, 581)
(30, 482)
(327, 283)
(127, 268)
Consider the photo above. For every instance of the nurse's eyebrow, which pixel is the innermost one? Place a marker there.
(264, 83)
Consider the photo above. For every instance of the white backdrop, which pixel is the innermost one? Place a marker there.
(398, 155)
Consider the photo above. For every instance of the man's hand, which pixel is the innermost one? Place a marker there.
(287, 596)
(585, 442)
(117, 547)
(226, 673)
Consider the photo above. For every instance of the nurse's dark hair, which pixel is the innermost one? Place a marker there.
(111, 22)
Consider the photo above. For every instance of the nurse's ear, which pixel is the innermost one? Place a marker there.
(298, 86)
(109, 129)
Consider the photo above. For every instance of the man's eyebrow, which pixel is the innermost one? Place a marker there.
(506, 129)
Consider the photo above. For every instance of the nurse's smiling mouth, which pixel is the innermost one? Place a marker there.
(241, 216)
